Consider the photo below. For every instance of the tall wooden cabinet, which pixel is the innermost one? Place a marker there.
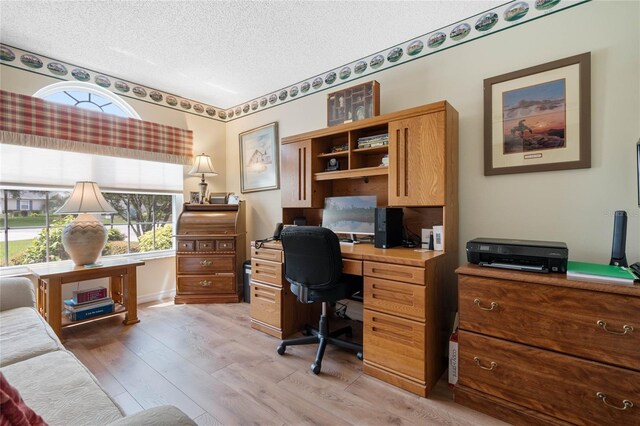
(210, 249)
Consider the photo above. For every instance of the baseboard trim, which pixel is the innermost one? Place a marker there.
(156, 297)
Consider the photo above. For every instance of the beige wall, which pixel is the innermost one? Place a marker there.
(574, 206)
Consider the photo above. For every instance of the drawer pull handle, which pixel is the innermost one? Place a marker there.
(626, 328)
(205, 283)
(492, 366)
(205, 263)
(493, 305)
(625, 402)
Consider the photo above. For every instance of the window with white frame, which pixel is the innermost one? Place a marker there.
(145, 194)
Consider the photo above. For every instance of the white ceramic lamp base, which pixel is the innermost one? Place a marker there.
(84, 238)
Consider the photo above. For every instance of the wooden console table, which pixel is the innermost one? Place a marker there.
(122, 283)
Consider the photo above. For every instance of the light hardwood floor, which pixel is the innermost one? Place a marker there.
(206, 360)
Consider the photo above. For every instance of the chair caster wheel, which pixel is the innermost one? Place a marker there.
(281, 349)
(360, 356)
(316, 368)
(307, 331)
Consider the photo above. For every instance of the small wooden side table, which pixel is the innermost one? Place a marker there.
(122, 288)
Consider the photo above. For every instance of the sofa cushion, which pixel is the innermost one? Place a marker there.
(24, 334)
(13, 410)
(60, 389)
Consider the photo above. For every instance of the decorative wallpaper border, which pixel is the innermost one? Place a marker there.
(44, 65)
(498, 19)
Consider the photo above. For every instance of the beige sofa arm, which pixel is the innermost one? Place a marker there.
(16, 292)
(165, 415)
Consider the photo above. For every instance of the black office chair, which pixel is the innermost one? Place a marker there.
(313, 266)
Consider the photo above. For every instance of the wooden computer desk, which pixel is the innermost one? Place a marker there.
(405, 328)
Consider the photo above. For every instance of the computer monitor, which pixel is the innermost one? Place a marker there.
(350, 215)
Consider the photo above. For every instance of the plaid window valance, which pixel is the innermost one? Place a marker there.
(29, 121)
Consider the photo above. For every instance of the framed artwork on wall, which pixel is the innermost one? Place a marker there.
(539, 118)
(259, 170)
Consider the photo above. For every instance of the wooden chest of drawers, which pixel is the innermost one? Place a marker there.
(210, 250)
(541, 349)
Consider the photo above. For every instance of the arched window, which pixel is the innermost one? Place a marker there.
(87, 96)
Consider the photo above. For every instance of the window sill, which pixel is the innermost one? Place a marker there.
(22, 270)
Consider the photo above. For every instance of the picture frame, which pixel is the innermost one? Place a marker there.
(218, 198)
(539, 118)
(194, 197)
(234, 199)
(353, 103)
(259, 168)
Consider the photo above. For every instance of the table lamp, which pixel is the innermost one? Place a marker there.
(85, 237)
(202, 166)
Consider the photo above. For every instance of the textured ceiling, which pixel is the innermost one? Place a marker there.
(220, 52)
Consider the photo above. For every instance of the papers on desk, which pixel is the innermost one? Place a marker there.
(584, 271)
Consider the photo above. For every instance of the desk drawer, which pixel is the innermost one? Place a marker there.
(409, 274)
(559, 385)
(267, 254)
(186, 245)
(219, 283)
(393, 297)
(574, 321)
(395, 343)
(352, 267)
(266, 303)
(206, 245)
(266, 271)
(204, 264)
(225, 245)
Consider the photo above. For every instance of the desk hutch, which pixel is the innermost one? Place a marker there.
(409, 295)
(210, 249)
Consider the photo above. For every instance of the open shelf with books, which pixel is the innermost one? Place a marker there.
(117, 310)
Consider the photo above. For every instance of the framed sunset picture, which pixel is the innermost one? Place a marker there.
(538, 119)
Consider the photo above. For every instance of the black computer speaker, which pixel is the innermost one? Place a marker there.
(388, 227)
(619, 246)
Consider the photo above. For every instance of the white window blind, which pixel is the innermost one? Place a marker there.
(27, 166)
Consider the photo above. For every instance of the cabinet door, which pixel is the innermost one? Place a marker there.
(417, 161)
(298, 187)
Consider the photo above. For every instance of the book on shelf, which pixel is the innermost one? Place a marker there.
(598, 272)
(90, 313)
(374, 137)
(372, 144)
(72, 306)
(373, 141)
(82, 296)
